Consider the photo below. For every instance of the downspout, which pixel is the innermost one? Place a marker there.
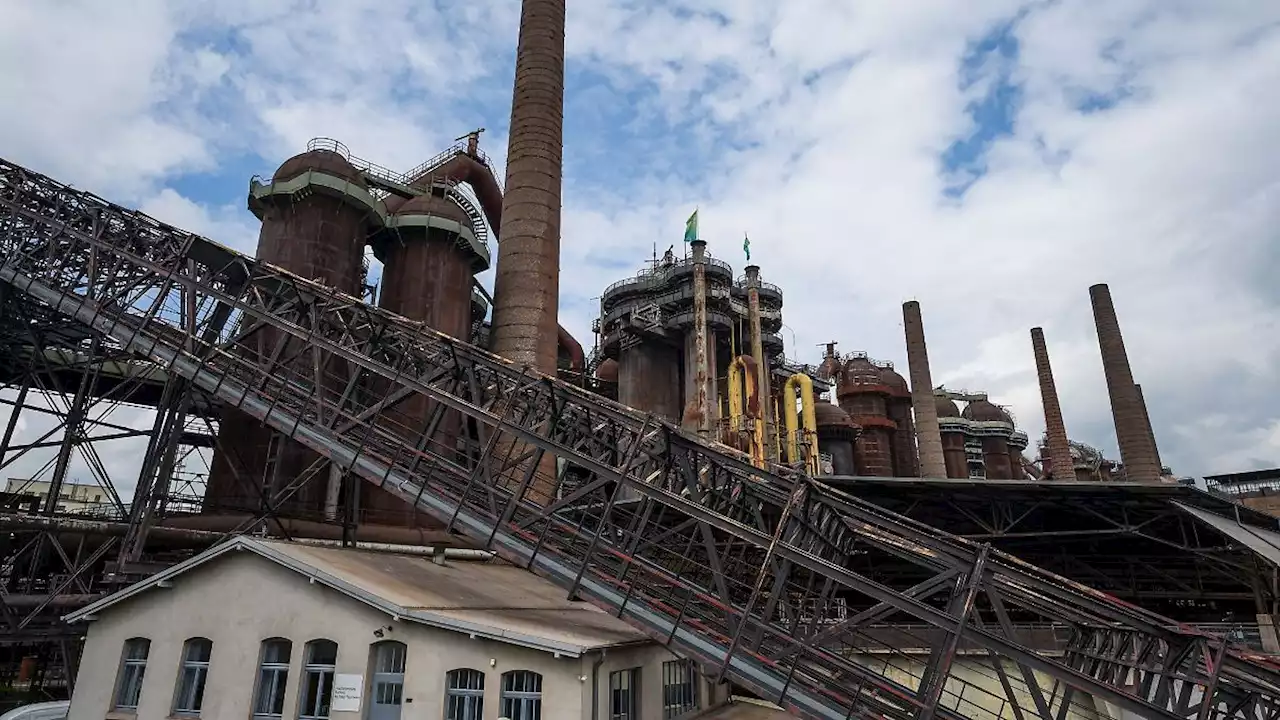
(595, 685)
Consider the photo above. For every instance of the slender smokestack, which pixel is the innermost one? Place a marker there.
(1055, 429)
(762, 368)
(1136, 450)
(928, 437)
(1151, 431)
(526, 286)
(698, 414)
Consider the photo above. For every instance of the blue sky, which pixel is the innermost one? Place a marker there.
(990, 158)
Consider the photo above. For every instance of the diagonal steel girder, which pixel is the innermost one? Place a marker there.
(117, 272)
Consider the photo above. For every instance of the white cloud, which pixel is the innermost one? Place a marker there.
(815, 125)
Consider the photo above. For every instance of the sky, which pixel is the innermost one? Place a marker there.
(989, 158)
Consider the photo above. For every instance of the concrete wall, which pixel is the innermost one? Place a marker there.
(240, 600)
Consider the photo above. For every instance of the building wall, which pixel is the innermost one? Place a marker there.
(242, 599)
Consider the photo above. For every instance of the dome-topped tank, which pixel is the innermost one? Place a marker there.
(947, 407)
(836, 433)
(895, 382)
(985, 411)
(829, 415)
(859, 370)
(325, 161)
(608, 370)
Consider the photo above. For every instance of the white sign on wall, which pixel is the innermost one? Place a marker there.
(346, 692)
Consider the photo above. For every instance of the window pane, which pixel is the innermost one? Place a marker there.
(276, 651)
(199, 650)
(322, 652)
(390, 658)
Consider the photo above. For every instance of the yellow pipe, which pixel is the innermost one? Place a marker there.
(744, 404)
(808, 419)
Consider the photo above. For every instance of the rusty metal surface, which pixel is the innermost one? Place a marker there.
(953, 455)
(1060, 461)
(995, 458)
(320, 238)
(928, 438)
(527, 281)
(1136, 450)
(697, 414)
(649, 380)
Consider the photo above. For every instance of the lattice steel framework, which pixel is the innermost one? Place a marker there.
(727, 564)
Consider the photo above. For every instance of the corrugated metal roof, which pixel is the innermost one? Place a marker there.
(1264, 542)
(485, 599)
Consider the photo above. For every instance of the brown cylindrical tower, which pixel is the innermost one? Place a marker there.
(430, 253)
(836, 433)
(1136, 450)
(762, 367)
(1151, 431)
(527, 283)
(988, 419)
(317, 231)
(697, 414)
(928, 437)
(906, 463)
(1055, 428)
(863, 396)
(953, 452)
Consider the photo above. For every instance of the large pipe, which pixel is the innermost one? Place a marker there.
(808, 422)
(757, 353)
(526, 286)
(928, 434)
(1136, 450)
(1151, 431)
(744, 409)
(1055, 428)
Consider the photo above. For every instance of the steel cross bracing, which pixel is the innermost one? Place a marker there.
(722, 562)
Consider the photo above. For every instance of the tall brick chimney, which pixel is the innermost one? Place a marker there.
(1054, 427)
(1151, 431)
(928, 437)
(526, 286)
(1136, 451)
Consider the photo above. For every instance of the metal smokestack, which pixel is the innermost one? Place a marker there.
(1055, 429)
(526, 286)
(1136, 450)
(1151, 431)
(762, 368)
(697, 415)
(928, 437)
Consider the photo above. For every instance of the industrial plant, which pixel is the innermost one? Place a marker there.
(684, 499)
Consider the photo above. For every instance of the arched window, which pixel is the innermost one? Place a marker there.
(317, 679)
(273, 678)
(133, 665)
(521, 695)
(388, 680)
(192, 677)
(464, 694)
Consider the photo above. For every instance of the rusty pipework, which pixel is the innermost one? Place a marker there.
(757, 353)
(527, 282)
(1055, 428)
(928, 434)
(746, 425)
(697, 415)
(1136, 449)
(468, 168)
(806, 433)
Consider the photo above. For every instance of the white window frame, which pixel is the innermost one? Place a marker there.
(464, 700)
(325, 673)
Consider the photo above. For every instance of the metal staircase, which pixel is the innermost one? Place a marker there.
(766, 578)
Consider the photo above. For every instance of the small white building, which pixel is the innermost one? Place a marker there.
(269, 630)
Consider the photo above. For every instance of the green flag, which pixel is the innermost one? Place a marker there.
(691, 228)
(746, 246)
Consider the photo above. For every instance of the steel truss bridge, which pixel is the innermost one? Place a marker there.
(738, 568)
